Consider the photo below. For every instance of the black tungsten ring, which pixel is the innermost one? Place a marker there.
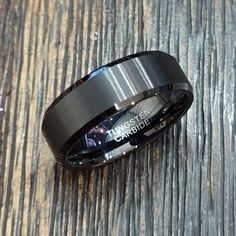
(116, 108)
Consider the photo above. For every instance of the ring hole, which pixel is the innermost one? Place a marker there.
(128, 129)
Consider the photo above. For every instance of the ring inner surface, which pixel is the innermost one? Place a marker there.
(127, 129)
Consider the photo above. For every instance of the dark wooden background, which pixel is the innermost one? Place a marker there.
(184, 183)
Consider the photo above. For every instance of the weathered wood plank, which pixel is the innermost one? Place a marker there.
(181, 184)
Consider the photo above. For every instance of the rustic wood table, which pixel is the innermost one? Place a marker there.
(183, 183)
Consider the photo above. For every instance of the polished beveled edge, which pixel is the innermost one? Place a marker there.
(61, 157)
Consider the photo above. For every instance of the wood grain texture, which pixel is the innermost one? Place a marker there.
(182, 184)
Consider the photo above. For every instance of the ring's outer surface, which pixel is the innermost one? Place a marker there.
(106, 91)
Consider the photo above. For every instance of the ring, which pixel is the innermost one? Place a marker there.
(116, 109)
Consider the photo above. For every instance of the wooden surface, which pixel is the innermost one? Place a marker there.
(184, 183)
